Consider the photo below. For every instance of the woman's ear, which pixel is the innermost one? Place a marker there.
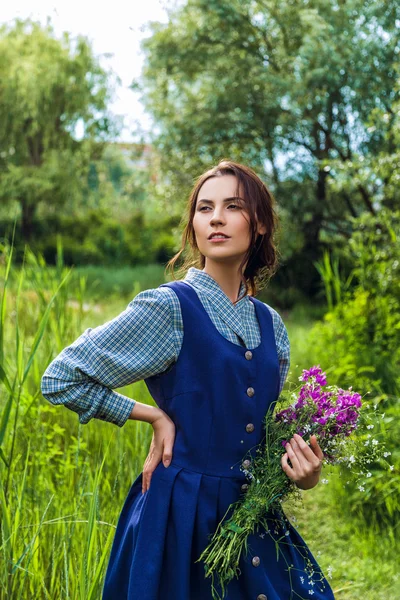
(262, 229)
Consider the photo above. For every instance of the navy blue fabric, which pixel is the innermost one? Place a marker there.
(160, 534)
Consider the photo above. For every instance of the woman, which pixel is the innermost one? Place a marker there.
(213, 358)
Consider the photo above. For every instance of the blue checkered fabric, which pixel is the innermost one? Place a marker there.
(143, 340)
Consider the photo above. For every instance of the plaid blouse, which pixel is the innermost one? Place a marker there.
(144, 340)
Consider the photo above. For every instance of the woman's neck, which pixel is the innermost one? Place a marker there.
(227, 278)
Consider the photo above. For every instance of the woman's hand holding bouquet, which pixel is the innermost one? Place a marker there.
(323, 424)
(307, 463)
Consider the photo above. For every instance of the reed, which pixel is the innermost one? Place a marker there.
(58, 479)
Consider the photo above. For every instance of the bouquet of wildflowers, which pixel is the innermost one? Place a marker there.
(330, 413)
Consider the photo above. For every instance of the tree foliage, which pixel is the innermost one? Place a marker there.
(285, 87)
(49, 87)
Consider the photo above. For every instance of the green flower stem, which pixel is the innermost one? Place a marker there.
(222, 555)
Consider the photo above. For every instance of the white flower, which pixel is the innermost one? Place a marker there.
(287, 532)
(385, 454)
(370, 426)
(369, 474)
(375, 442)
(391, 467)
(302, 579)
(324, 480)
(330, 569)
(351, 459)
(262, 535)
(366, 443)
(361, 488)
(311, 592)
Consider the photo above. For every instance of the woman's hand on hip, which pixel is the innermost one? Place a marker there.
(306, 462)
(160, 448)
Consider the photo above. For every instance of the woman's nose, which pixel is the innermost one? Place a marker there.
(217, 218)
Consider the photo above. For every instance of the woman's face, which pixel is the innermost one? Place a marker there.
(218, 210)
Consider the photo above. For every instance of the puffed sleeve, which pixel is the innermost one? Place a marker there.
(136, 344)
(282, 345)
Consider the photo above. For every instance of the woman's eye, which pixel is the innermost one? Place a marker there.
(203, 207)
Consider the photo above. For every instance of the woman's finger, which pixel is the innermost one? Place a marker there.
(287, 468)
(167, 453)
(146, 479)
(316, 447)
(293, 458)
(309, 453)
(151, 462)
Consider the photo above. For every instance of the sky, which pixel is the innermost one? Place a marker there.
(114, 28)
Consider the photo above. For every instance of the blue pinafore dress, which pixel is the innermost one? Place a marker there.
(217, 394)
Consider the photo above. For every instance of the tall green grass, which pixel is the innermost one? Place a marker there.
(62, 484)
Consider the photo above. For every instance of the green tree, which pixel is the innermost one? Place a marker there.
(377, 171)
(284, 87)
(48, 88)
(118, 180)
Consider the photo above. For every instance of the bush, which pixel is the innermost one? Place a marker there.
(358, 344)
(362, 332)
(96, 238)
(379, 504)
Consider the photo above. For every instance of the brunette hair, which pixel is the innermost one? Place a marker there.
(261, 256)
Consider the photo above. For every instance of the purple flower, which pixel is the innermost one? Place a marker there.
(325, 413)
(316, 372)
(287, 414)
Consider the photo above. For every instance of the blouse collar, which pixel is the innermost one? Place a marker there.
(230, 313)
(202, 280)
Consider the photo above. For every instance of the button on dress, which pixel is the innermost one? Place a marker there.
(161, 533)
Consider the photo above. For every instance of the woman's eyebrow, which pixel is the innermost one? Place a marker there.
(224, 200)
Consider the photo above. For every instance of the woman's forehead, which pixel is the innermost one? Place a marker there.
(219, 187)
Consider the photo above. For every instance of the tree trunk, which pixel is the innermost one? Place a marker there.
(311, 250)
(27, 211)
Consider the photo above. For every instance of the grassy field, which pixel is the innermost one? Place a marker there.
(64, 484)
(365, 562)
